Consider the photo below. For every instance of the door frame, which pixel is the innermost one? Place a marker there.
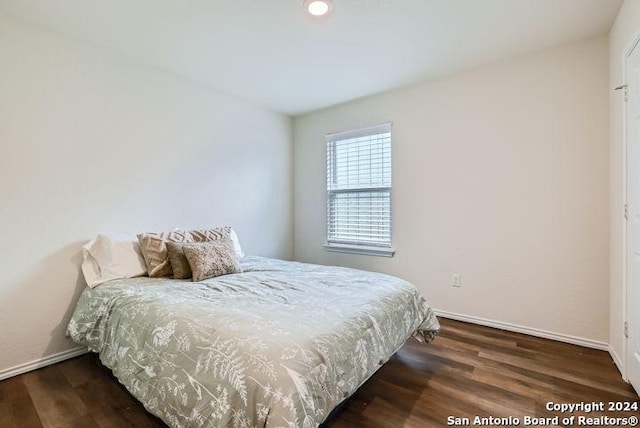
(626, 288)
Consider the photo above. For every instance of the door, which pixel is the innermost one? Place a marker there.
(632, 329)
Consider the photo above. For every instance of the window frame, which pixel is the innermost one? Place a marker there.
(381, 248)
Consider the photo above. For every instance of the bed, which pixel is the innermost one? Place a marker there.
(279, 345)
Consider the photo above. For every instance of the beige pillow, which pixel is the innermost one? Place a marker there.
(211, 259)
(226, 232)
(154, 249)
(179, 263)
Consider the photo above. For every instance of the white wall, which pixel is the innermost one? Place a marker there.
(93, 143)
(624, 32)
(501, 175)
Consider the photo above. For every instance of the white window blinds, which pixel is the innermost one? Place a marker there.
(359, 187)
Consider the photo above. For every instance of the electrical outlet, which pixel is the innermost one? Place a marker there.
(456, 280)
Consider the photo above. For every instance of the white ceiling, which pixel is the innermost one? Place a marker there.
(270, 52)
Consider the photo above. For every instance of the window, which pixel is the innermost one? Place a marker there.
(359, 191)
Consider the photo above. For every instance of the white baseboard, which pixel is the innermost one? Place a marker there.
(589, 343)
(41, 362)
(618, 361)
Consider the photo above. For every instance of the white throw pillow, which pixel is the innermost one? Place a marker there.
(106, 258)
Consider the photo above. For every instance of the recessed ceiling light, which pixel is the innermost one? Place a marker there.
(318, 7)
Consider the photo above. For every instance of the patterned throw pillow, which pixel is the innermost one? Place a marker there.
(211, 259)
(154, 249)
(179, 263)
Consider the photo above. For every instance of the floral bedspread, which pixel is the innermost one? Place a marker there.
(279, 345)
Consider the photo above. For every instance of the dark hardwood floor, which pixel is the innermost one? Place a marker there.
(469, 370)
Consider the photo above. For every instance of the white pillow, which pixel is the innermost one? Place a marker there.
(236, 244)
(106, 258)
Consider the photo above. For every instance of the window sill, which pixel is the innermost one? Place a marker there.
(355, 249)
